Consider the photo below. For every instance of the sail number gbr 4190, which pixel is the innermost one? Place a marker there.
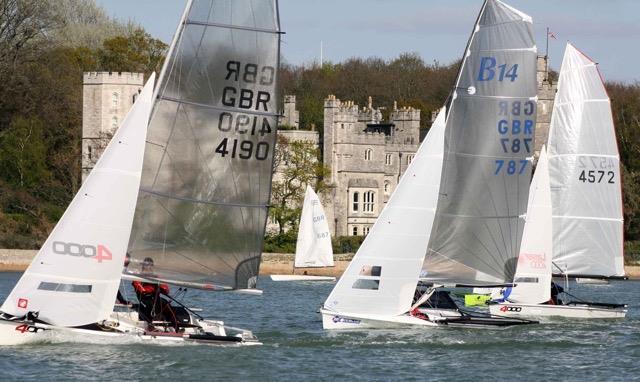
(252, 124)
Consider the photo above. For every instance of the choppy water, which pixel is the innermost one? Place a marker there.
(296, 347)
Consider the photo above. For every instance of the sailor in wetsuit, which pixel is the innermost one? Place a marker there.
(152, 306)
(555, 291)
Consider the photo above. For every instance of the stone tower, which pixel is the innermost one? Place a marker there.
(106, 100)
(290, 116)
(546, 94)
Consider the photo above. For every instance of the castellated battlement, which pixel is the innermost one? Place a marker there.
(114, 78)
(405, 114)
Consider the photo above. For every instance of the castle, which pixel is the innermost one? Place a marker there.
(366, 155)
(106, 100)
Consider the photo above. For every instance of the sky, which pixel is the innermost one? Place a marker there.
(607, 31)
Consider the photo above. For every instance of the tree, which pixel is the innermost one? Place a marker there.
(296, 165)
(138, 52)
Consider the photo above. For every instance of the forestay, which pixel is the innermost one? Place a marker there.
(487, 157)
(74, 278)
(313, 248)
(382, 276)
(585, 173)
(533, 273)
(206, 181)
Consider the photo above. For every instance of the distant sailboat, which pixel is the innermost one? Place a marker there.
(456, 218)
(200, 195)
(313, 248)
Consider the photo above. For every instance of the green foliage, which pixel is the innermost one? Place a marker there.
(138, 52)
(23, 153)
(281, 243)
(297, 164)
(632, 252)
(346, 244)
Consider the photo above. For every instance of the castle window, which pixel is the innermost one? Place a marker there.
(115, 98)
(355, 201)
(134, 97)
(409, 158)
(387, 188)
(369, 201)
(355, 230)
(365, 230)
(367, 154)
(114, 122)
(387, 159)
(342, 125)
(90, 152)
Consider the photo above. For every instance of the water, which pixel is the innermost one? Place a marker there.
(296, 347)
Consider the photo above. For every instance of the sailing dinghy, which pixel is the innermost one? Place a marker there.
(192, 199)
(313, 248)
(584, 234)
(455, 219)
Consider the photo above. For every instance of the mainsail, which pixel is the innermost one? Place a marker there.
(382, 277)
(74, 278)
(313, 248)
(487, 157)
(533, 274)
(206, 180)
(585, 173)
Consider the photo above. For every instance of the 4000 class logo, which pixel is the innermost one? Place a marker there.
(510, 309)
(99, 252)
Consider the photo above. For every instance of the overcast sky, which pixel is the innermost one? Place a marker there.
(607, 31)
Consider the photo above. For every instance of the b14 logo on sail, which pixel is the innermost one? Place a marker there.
(99, 252)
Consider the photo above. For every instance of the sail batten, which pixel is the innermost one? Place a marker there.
(489, 144)
(206, 180)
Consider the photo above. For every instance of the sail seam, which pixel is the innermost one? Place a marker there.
(588, 218)
(228, 109)
(161, 194)
(231, 26)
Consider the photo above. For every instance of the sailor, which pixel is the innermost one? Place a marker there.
(120, 298)
(555, 291)
(152, 306)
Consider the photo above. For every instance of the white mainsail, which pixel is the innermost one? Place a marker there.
(206, 180)
(382, 277)
(477, 230)
(313, 248)
(74, 278)
(533, 273)
(584, 166)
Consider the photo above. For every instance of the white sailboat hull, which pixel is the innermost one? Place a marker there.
(301, 278)
(124, 327)
(585, 311)
(591, 281)
(348, 321)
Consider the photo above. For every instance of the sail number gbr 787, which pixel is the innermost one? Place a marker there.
(250, 125)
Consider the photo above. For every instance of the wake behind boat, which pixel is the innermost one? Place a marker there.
(183, 187)
(313, 247)
(456, 217)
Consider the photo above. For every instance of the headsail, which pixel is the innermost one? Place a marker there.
(313, 248)
(206, 180)
(382, 277)
(585, 173)
(533, 274)
(74, 278)
(487, 159)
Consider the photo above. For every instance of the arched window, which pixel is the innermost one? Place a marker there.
(387, 188)
(115, 99)
(409, 158)
(114, 122)
(367, 154)
(387, 159)
(355, 201)
(355, 230)
(369, 201)
(365, 230)
(90, 152)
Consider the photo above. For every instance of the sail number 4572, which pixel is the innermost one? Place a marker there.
(596, 176)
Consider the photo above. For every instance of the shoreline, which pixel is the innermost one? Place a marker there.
(17, 260)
